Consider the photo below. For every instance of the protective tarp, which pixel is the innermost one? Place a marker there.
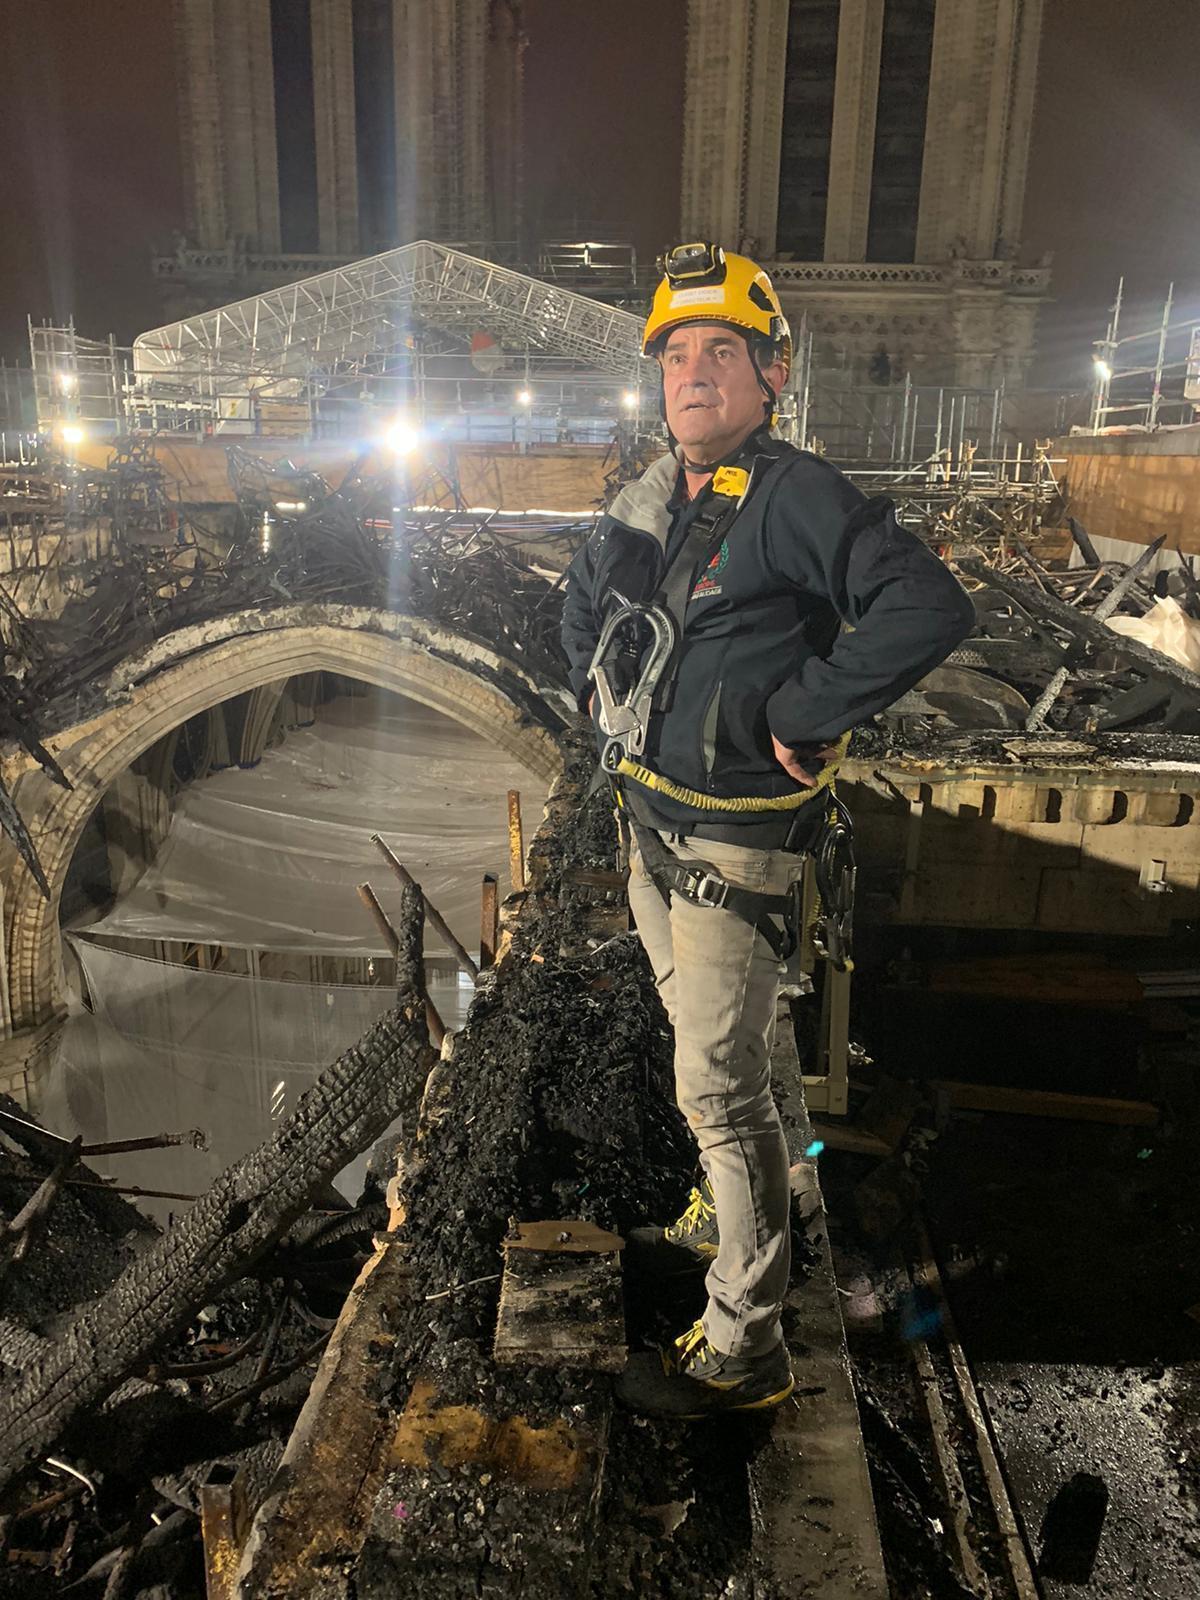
(269, 858)
(169, 1048)
(1166, 627)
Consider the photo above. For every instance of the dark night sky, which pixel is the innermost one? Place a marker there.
(89, 177)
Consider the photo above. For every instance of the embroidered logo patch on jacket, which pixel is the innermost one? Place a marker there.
(706, 584)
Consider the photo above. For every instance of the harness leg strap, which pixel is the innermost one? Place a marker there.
(702, 885)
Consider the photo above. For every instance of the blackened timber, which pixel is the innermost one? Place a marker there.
(232, 1226)
(314, 1516)
(1085, 628)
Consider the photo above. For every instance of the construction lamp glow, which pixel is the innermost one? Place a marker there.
(71, 434)
(1103, 371)
(401, 437)
(67, 382)
(524, 397)
(630, 400)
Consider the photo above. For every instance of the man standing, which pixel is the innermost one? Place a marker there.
(798, 609)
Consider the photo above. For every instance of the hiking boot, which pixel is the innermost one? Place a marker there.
(695, 1231)
(693, 1379)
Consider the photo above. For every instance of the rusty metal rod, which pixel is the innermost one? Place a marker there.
(437, 1028)
(128, 1188)
(431, 911)
(154, 1141)
(489, 920)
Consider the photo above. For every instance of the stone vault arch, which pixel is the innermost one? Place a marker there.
(195, 669)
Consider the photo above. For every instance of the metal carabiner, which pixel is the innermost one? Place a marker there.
(628, 720)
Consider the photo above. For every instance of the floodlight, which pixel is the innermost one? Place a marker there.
(1103, 371)
(630, 400)
(68, 382)
(524, 397)
(401, 437)
(72, 434)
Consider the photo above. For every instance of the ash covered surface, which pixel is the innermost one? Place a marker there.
(83, 1243)
(557, 1102)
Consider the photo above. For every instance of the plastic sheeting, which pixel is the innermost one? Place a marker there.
(269, 858)
(1166, 627)
(170, 1048)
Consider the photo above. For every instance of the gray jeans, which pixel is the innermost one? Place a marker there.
(719, 982)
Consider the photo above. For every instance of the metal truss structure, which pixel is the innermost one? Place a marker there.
(298, 338)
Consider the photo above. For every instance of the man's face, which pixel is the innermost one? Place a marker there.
(713, 397)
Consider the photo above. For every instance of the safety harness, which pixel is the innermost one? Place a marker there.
(626, 722)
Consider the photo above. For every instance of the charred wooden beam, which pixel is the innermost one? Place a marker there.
(1085, 629)
(314, 1516)
(240, 1217)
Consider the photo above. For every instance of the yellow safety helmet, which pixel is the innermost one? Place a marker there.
(702, 283)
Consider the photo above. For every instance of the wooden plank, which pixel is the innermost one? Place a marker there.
(223, 1522)
(1046, 1103)
(889, 1111)
(1067, 978)
(815, 1533)
(559, 1309)
(561, 1302)
(570, 1234)
(315, 1514)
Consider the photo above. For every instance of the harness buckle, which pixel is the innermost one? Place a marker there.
(701, 888)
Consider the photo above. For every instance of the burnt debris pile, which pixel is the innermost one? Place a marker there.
(135, 1364)
(105, 561)
(556, 1102)
(1102, 648)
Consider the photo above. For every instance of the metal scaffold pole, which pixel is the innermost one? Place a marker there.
(1156, 393)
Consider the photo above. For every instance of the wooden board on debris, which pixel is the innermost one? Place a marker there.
(560, 1298)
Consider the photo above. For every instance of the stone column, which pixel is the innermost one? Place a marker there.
(960, 83)
(333, 118)
(200, 123)
(506, 49)
(733, 122)
(1024, 91)
(417, 177)
(247, 100)
(716, 89)
(764, 128)
(469, 115)
(977, 127)
(852, 149)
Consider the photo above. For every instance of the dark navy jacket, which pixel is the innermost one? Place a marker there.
(816, 612)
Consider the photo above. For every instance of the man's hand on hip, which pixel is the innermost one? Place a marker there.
(803, 768)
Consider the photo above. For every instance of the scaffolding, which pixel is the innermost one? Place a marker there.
(1146, 379)
(304, 337)
(484, 354)
(76, 382)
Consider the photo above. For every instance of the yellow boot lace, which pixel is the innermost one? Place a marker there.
(695, 1215)
(678, 1354)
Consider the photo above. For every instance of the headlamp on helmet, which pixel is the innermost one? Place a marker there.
(688, 266)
